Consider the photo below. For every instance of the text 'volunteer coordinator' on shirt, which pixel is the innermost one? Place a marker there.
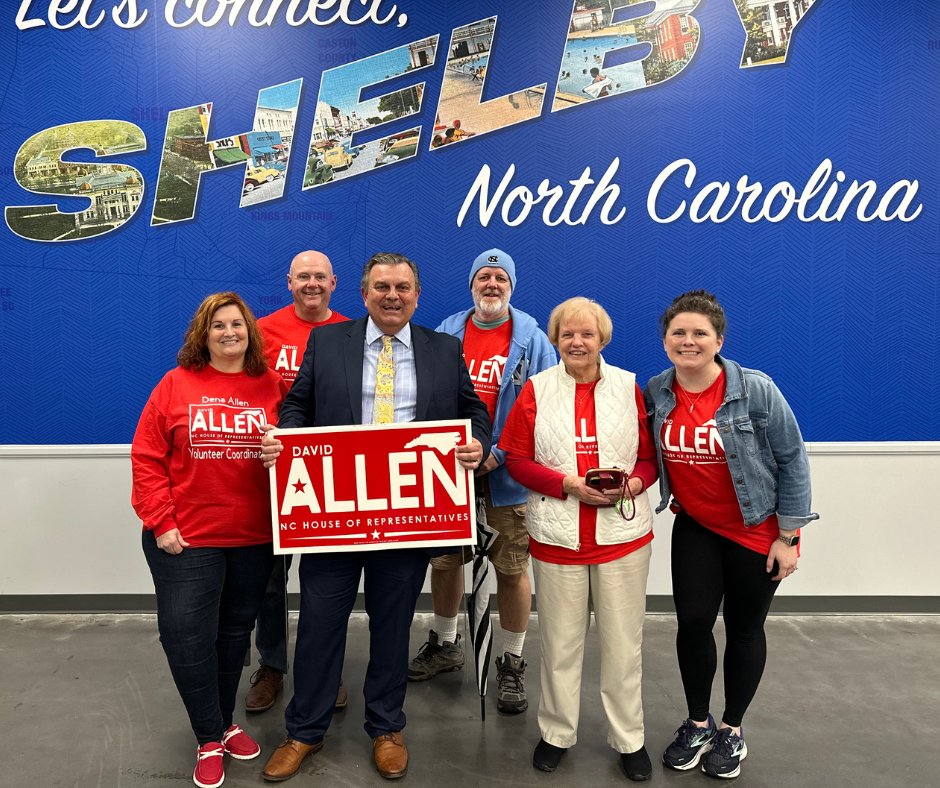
(196, 456)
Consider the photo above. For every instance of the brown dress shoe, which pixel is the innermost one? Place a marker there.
(265, 686)
(342, 698)
(391, 755)
(287, 758)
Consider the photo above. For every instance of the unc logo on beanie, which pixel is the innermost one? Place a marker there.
(496, 258)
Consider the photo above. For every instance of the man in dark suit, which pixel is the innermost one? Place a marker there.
(336, 385)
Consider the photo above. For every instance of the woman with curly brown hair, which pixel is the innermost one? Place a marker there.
(203, 497)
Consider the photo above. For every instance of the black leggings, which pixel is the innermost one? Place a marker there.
(706, 569)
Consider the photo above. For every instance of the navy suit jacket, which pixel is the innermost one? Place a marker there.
(328, 388)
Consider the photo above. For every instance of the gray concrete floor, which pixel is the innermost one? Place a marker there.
(845, 701)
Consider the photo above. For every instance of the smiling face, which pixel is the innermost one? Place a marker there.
(691, 343)
(391, 296)
(490, 290)
(311, 281)
(227, 341)
(579, 345)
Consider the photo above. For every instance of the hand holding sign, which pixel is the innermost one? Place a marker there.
(271, 447)
(470, 455)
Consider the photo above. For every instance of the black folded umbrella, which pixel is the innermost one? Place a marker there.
(478, 604)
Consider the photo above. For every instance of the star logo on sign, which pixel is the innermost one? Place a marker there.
(375, 534)
(299, 486)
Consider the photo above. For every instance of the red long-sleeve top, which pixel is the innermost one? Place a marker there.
(196, 456)
(518, 440)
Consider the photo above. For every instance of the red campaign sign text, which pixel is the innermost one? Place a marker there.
(372, 487)
(217, 424)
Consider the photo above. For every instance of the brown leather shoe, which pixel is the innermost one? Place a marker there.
(287, 758)
(265, 686)
(390, 755)
(342, 698)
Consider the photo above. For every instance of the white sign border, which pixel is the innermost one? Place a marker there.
(463, 424)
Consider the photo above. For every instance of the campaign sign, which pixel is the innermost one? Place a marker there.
(372, 487)
(215, 424)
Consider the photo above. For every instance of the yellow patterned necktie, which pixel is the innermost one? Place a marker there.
(383, 411)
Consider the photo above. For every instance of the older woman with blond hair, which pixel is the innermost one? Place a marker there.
(590, 547)
(202, 494)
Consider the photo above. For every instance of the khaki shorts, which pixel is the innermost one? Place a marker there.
(509, 554)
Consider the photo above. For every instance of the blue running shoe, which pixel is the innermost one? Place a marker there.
(692, 742)
(727, 751)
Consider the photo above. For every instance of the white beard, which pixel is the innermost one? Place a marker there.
(490, 308)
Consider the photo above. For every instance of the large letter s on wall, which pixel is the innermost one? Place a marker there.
(114, 191)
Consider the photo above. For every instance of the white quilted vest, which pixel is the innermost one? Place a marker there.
(553, 520)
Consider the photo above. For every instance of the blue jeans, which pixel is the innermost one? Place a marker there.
(207, 600)
(271, 630)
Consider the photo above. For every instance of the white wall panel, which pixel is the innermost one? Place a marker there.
(68, 526)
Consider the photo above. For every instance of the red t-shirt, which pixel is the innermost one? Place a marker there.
(485, 350)
(196, 456)
(285, 339)
(699, 479)
(518, 441)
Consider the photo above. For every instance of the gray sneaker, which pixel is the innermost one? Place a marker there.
(510, 673)
(434, 658)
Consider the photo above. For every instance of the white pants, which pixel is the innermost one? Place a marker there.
(565, 595)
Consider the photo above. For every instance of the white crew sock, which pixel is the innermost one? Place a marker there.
(446, 628)
(512, 642)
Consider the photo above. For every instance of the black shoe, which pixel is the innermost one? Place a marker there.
(727, 752)
(691, 745)
(636, 765)
(547, 756)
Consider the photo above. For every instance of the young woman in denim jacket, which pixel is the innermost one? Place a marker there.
(732, 458)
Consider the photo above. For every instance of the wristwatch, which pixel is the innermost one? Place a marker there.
(789, 541)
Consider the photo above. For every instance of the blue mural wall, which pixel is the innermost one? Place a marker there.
(831, 283)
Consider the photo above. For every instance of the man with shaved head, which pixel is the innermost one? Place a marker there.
(311, 281)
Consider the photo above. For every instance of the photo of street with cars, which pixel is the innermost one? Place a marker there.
(340, 114)
(264, 152)
(268, 146)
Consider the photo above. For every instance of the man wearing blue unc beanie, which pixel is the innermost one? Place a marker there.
(503, 347)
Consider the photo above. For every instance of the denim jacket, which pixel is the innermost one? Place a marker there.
(530, 352)
(762, 442)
